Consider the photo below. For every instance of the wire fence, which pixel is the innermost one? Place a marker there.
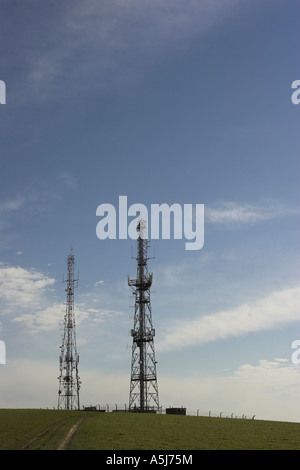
(179, 411)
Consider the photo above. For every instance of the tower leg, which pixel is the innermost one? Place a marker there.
(143, 396)
(69, 382)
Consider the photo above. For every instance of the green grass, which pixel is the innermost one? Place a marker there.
(130, 431)
(18, 427)
(120, 431)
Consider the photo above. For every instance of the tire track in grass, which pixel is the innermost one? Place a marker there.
(42, 433)
(66, 441)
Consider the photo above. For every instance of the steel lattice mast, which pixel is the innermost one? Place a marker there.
(143, 384)
(69, 383)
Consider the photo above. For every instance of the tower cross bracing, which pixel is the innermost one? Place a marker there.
(69, 381)
(143, 395)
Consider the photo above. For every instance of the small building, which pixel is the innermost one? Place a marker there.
(176, 411)
(91, 408)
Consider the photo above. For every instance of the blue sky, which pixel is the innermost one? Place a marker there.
(164, 102)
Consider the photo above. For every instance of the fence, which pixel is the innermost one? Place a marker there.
(189, 412)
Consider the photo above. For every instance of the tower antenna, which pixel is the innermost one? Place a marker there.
(143, 395)
(69, 382)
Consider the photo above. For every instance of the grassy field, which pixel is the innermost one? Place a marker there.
(79, 430)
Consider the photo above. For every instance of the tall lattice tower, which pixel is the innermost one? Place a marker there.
(143, 384)
(69, 382)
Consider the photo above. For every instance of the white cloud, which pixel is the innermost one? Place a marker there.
(52, 316)
(232, 214)
(42, 320)
(22, 288)
(278, 308)
(268, 389)
(28, 296)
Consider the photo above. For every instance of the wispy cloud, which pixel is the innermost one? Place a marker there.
(11, 205)
(105, 44)
(235, 214)
(35, 197)
(49, 318)
(278, 308)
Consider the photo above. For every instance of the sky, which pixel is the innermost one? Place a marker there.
(162, 101)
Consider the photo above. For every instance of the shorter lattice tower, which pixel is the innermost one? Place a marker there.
(69, 382)
(143, 383)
